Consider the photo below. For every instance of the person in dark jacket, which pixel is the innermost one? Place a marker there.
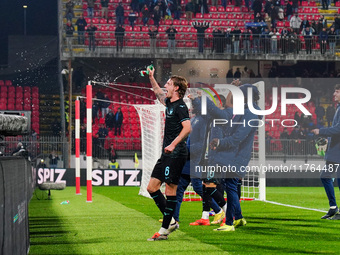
(53, 159)
(145, 14)
(110, 120)
(171, 32)
(118, 121)
(69, 34)
(230, 76)
(81, 24)
(69, 10)
(105, 105)
(200, 27)
(153, 32)
(234, 148)
(102, 134)
(217, 41)
(105, 8)
(91, 30)
(119, 34)
(257, 7)
(120, 14)
(189, 10)
(332, 157)
(323, 39)
(319, 112)
(236, 34)
(228, 40)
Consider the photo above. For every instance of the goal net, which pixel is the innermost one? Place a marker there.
(152, 119)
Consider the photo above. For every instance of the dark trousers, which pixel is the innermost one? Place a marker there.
(183, 183)
(327, 181)
(118, 129)
(233, 202)
(120, 42)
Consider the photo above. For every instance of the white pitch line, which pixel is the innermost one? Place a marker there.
(295, 206)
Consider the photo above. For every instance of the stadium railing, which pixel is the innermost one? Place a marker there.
(138, 43)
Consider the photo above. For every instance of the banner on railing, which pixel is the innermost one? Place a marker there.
(100, 177)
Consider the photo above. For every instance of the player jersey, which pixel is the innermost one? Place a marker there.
(175, 113)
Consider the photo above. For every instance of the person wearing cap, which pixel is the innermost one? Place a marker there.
(233, 147)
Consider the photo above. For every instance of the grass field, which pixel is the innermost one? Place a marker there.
(118, 221)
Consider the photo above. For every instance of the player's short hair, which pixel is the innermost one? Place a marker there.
(181, 83)
(337, 87)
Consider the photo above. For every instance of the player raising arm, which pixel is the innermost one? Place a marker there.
(174, 153)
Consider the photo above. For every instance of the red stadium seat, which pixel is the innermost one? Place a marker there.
(199, 16)
(223, 16)
(214, 16)
(8, 83)
(220, 9)
(229, 9)
(237, 9)
(230, 16)
(212, 9)
(2, 83)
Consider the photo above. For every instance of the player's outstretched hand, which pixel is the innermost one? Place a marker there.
(169, 149)
(151, 72)
(214, 144)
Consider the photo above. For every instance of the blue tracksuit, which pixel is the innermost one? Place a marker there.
(332, 156)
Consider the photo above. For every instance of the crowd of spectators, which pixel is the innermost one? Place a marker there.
(265, 37)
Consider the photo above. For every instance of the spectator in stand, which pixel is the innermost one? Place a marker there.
(297, 118)
(81, 24)
(90, 8)
(110, 120)
(289, 10)
(105, 105)
(265, 38)
(214, 2)
(257, 7)
(295, 6)
(284, 40)
(318, 27)
(332, 40)
(330, 112)
(237, 74)
(284, 136)
(274, 36)
(258, 18)
(69, 34)
(132, 18)
(119, 34)
(102, 134)
(229, 76)
(236, 34)
(267, 6)
(153, 33)
(135, 6)
(145, 15)
(95, 109)
(274, 15)
(304, 23)
(91, 30)
(295, 23)
(324, 4)
(268, 140)
(105, 8)
(228, 40)
(308, 35)
(189, 10)
(171, 32)
(224, 3)
(112, 152)
(217, 41)
(82, 110)
(69, 10)
(319, 112)
(246, 35)
(156, 15)
(118, 121)
(177, 9)
(323, 38)
(268, 21)
(256, 31)
(336, 23)
(120, 14)
(200, 27)
(324, 21)
(53, 159)
(238, 3)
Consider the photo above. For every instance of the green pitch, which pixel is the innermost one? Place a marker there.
(118, 221)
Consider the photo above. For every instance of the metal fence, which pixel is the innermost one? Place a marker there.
(190, 44)
(41, 147)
